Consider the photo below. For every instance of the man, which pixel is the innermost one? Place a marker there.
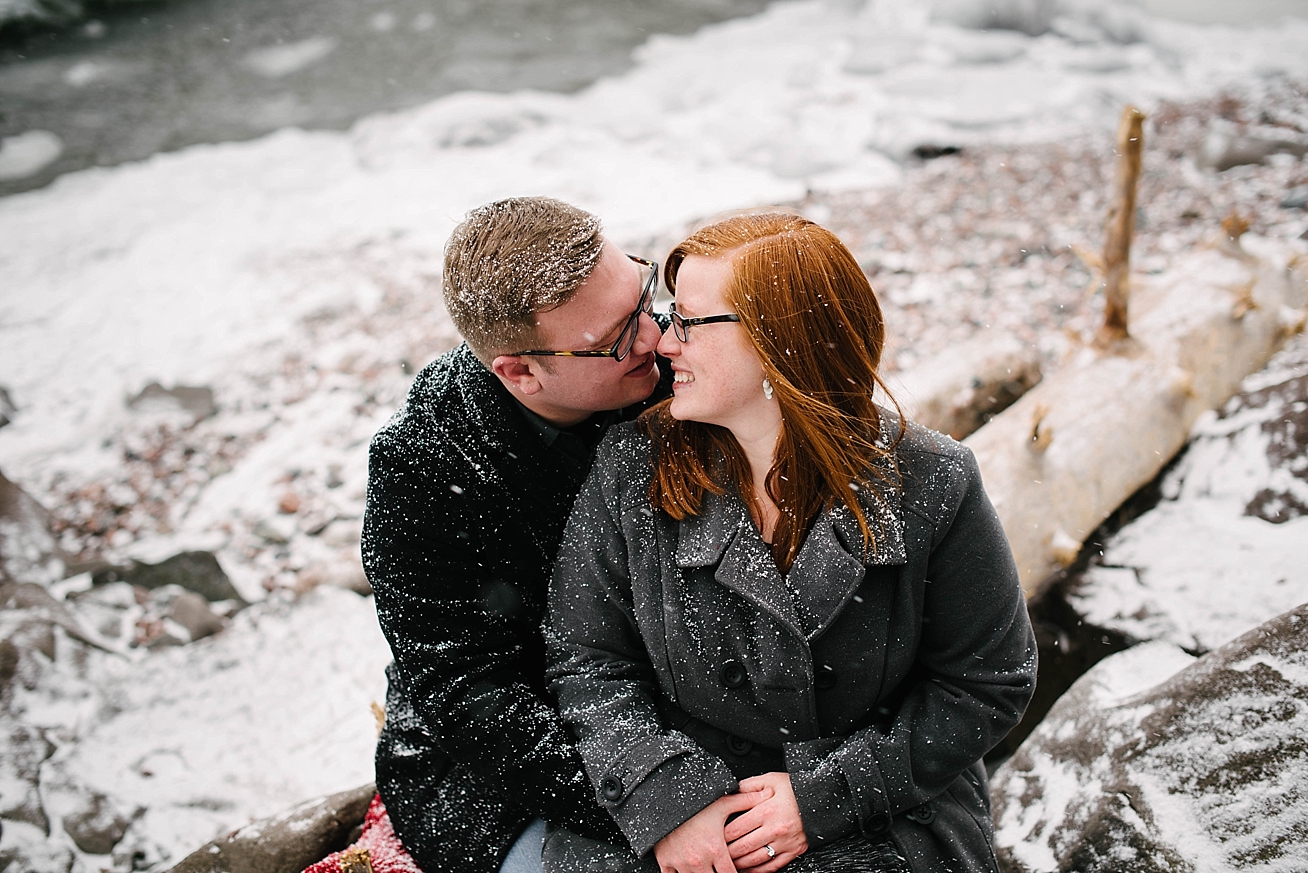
(470, 485)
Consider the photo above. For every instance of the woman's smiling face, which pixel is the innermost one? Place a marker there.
(718, 378)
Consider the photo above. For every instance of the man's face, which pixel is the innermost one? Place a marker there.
(565, 391)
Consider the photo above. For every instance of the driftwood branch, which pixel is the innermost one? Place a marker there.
(1121, 227)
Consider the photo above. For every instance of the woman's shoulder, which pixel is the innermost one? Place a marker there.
(933, 466)
(625, 455)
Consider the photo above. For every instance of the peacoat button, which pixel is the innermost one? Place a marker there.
(878, 824)
(739, 745)
(923, 814)
(825, 677)
(611, 787)
(733, 674)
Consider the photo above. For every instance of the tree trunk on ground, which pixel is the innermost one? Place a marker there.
(961, 389)
(1067, 454)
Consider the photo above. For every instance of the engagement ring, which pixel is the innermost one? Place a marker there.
(772, 853)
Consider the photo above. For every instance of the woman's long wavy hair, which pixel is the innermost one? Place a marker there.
(817, 327)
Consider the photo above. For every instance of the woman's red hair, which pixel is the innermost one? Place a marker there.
(817, 327)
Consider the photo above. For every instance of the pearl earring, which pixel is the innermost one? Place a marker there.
(767, 389)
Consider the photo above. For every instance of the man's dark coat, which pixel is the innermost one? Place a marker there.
(466, 509)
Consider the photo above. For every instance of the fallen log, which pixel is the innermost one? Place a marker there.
(961, 389)
(285, 843)
(1075, 447)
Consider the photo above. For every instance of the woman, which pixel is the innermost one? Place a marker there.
(784, 627)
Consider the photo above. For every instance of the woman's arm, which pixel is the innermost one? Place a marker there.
(974, 675)
(649, 778)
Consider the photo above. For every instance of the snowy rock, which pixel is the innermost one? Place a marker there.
(28, 549)
(24, 749)
(28, 153)
(344, 571)
(1203, 771)
(191, 611)
(194, 399)
(7, 407)
(1228, 145)
(21, 637)
(98, 826)
(25, 606)
(290, 841)
(196, 571)
(276, 531)
(24, 849)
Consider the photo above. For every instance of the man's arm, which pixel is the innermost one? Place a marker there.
(450, 607)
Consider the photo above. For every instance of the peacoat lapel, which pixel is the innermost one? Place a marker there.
(723, 536)
(826, 573)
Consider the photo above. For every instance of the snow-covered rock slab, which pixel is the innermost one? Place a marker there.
(1203, 771)
(289, 841)
(1227, 545)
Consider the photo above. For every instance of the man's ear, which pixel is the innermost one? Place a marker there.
(517, 374)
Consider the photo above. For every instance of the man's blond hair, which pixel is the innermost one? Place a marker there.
(510, 260)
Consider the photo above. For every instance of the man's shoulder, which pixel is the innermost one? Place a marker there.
(451, 404)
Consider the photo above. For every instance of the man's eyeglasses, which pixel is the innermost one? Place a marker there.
(627, 338)
(681, 326)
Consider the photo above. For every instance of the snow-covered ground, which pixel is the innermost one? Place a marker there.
(297, 275)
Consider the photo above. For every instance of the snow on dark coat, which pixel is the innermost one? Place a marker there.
(684, 661)
(466, 508)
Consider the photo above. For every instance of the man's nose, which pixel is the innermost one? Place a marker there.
(647, 334)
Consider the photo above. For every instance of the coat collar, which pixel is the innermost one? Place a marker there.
(826, 573)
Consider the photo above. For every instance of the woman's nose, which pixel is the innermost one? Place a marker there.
(669, 345)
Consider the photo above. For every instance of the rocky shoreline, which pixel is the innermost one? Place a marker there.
(126, 565)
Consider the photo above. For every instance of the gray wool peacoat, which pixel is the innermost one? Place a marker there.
(684, 661)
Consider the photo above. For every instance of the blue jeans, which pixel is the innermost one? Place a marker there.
(524, 856)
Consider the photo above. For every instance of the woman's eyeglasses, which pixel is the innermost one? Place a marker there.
(627, 338)
(681, 326)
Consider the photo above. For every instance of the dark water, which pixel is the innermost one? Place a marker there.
(153, 77)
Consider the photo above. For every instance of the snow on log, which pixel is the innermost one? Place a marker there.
(960, 389)
(1067, 454)
(285, 843)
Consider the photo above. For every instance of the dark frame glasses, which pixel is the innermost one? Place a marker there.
(681, 326)
(627, 338)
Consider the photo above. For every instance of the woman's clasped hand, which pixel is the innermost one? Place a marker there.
(735, 832)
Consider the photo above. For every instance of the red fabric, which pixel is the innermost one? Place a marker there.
(384, 849)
